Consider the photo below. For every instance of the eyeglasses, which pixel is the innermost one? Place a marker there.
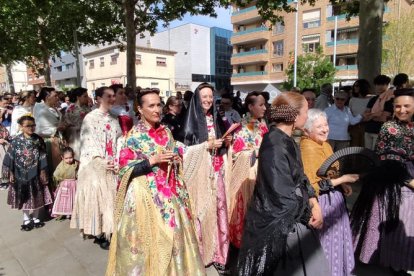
(224, 103)
(30, 126)
(310, 99)
(7, 98)
(340, 99)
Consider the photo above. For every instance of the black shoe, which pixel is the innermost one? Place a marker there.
(27, 227)
(99, 240)
(105, 245)
(39, 224)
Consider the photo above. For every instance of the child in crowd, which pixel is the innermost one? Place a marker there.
(4, 144)
(25, 165)
(65, 177)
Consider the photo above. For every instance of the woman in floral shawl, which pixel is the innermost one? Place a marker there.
(205, 164)
(74, 115)
(97, 177)
(382, 217)
(154, 230)
(246, 144)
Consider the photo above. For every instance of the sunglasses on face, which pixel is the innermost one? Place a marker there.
(340, 99)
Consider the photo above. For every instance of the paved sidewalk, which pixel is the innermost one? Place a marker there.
(56, 250)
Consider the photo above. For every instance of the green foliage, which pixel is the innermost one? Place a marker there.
(32, 30)
(313, 70)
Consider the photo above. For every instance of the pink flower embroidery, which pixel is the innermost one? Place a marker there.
(238, 145)
(108, 148)
(381, 144)
(392, 130)
(159, 135)
(108, 127)
(263, 129)
(82, 115)
(125, 155)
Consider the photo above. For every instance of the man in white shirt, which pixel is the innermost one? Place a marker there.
(339, 119)
(226, 105)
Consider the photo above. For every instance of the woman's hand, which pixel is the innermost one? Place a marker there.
(316, 221)
(347, 189)
(12, 179)
(346, 178)
(161, 158)
(3, 141)
(215, 143)
(227, 140)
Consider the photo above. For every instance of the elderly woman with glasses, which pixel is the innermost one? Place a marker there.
(339, 119)
(335, 234)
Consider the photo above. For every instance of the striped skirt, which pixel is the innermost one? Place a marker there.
(394, 249)
(65, 196)
(335, 235)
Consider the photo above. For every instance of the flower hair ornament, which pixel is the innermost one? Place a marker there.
(283, 114)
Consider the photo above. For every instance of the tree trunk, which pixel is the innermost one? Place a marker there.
(129, 9)
(46, 68)
(371, 14)
(10, 78)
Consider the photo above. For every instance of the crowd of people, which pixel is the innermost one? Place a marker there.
(173, 188)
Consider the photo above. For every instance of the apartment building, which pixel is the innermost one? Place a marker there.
(63, 71)
(261, 56)
(203, 54)
(19, 75)
(106, 65)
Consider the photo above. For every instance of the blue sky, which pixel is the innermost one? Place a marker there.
(223, 20)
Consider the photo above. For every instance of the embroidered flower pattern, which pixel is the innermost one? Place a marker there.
(396, 141)
(250, 135)
(141, 143)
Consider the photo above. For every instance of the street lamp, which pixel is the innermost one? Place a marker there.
(295, 65)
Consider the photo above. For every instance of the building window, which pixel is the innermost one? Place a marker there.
(91, 64)
(310, 43)
(69, 66)
(277, 67)
(161, 61)
(114, 59)
(278, 48)
(138, 59)
(59, 69)
(279, 28)
(154, 84)
(311, 19)
(101, 62)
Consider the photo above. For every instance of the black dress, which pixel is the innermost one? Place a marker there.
(174, 123)
(276, 239)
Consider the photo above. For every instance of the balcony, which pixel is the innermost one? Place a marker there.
(249, 74)
(246, 16)
(343, 42)
(249, 53)
(343, 16)
(250, 35)
(250, 57)
(347, 67)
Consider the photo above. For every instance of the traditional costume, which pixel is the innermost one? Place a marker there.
(126, 117)
(96, 187)
(65, 176)
(382, 218)
(245, 149)
(154, 232)
(277, 239)
(26, 161)
(4, 134)
(204, 175)
(74, 116)
(335, 235)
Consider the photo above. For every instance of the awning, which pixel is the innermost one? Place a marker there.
(348, 30)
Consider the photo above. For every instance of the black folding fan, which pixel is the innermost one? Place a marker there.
(356, 160)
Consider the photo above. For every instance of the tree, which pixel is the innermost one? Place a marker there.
(313, 70)
(398, 51)
(143, 16)
(35, 30)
